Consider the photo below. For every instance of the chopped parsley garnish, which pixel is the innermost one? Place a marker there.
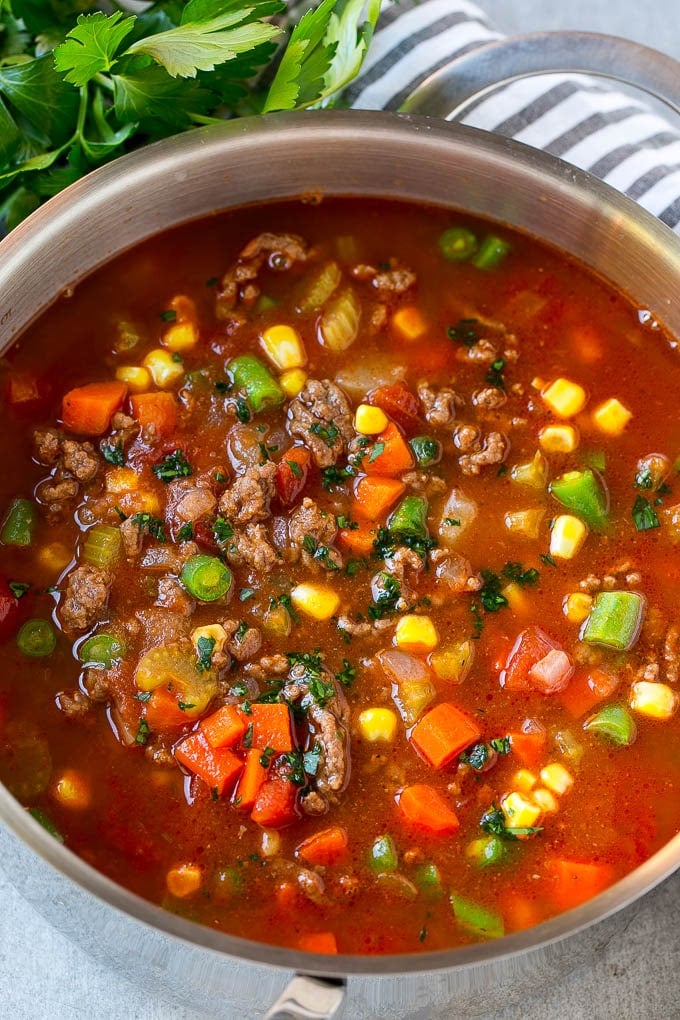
(347, 675)
(302, 764)
(247, 739)
(477, 757)
(319, 552)
(153, 526)
(18, 588)
(353, 567)
(311, 760)
(334, 475)
(266, 757)
(387, 541)
(386, 600)
(245, 594)
(644, 480)
(494, 376)
(515, 572)
(222, 386)
(264, 453)
(143, 732)
(242, 411)
(169, 315)
(222, 531)
(321, 690)
(117, 510)
(310, 661)
(272, 694)
(548, 560)
(173, 466)
(378, 449)
(205, 647)
(493, 821)
(186, 532)
(422, 934)
(464, 332)
(328, 432)
(238, 690)
(501, 745)
(211, 282)
(287, 603)
(452, 522)
(113, 453)
(490, 593)
(346, 522)
(177, 358)
(185, 706)
(295, 468)
(644, 517)
(241, 631)
(477, 621)
(143, 695)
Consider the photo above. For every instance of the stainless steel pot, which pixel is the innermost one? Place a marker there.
(344, 153)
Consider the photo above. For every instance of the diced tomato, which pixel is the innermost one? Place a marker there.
(588, 688)
(157, 409)
(292, 473)
(10, 611)
(536, 663)
(529, 747)
(24, 391)
(398, 403)
(575, 882)
(275, 804)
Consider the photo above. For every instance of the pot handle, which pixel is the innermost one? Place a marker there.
(309, 998)
(448, 91)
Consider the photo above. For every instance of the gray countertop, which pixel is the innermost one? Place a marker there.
(43, 974)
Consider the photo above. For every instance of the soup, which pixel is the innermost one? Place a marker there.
(339, 569)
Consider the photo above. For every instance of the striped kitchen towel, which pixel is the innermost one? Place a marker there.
(584, 121)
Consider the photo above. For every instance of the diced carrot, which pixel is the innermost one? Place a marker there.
(399, 404)
(275, 804)
(358, 540)
(326, 847)
(519, 912)
(271, 727)
(162, 711)
(22, 389)
(426, 809)
(252, 778)
(87, 410)
(575, 882)
(292, 473)
(218, 768)
(409, 322)
(287, 896)
(224, 727)
(319, 942)
(529, 747)
(586, 689)
(375, 496)
(390, 455)
(157, 409)
(443, 733)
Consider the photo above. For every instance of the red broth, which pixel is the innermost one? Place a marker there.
(420, 688)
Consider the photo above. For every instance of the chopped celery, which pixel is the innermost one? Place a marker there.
(428, 880)
(491, 252)
(534, 473)
(583, 492)
(254, 378)
(19, 523)
(207, 578)
(487, 850)
(103, 545)
(101, 650)
(320, 288)
(426, 450)
(615, 723)
(37, 638)
(477, 919)
(382, 857)
(458, 244)
(340, 320)
(409, 518)
(615, 619)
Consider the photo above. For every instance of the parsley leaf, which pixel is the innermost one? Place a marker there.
(515, 572)
(91, 46)
(174, 465)
(493, 821)
(153, 526)
(490, 593)
(348, 674)
(113, 453)
(464, 332)
(205, 646)
(644, 517)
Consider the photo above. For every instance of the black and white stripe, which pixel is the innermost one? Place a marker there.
(579, 119)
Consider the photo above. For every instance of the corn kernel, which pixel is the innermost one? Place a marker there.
(293, 381)
(564, 397)
(136, 378)
(72, 790)
(558, 779)
(524, 780)
(284, 348)
(525, 522)
(416, 634)
(576, 606)
(545, 801)
(141, 502)
(567, 536)
(454, 662)
(315, 600)
(163, 368)
(656, 701)
(409, 323)
(558, 438)
(612, 417)
(378, 724)
(538, 382)
(122, 479)
(519, 811)
(54, 556)
(184, 880)
(212, 632)
(370, 421)
(517, 598)
(180, 336)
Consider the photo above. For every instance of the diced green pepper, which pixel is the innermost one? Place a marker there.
(458, 244)
(19, 523)
(37, 638)
(477, 919)
(486, 851)
(254, 378)
(207, 578)
(101, 650)
(491, 252)
(583, 493)
(410, 518)
(615, 619)
(426, 450)
(383, 856)
(428, 880)
(615, 723)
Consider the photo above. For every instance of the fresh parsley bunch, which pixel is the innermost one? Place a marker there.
(79, 86)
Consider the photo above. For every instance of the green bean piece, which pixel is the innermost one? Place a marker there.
(614, 723)
(491, 252)
(254, 378)
(426, 450)
(458, 244)
(615, 619)
(101, 650)
(20, 523)
(207, 578)
(320, 287)
(488, 850)
(37, 638)
(383, 856)
(477, 919)
(409, 518)
(46, 822)
(103, 546)
(583, 493)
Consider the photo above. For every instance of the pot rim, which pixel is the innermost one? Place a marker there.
(52, 231)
